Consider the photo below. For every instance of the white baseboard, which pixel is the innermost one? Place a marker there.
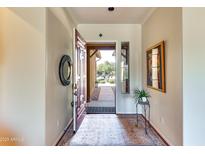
(126, 113)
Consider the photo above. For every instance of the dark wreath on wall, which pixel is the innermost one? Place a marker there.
(65, 70)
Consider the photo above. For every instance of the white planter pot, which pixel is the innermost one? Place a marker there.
(144, 99)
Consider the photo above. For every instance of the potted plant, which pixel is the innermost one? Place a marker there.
(141, 95)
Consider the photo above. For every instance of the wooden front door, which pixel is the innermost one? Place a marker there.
(80, 80)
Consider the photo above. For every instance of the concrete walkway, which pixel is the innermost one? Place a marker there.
(106, 94)
(106, 98)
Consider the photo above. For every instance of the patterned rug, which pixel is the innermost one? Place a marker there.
(113, 130)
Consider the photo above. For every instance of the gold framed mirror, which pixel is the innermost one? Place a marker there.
(155, 57)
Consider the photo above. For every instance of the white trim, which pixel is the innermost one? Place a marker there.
(126, 113)
(74, 81)
(102, 41)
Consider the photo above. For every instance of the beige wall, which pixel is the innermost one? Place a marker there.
(59, 29)
(2, 53)
(193, 76)
(32, 41)
(33, 102)
(119, 33)
(166, 108)
(22, 72)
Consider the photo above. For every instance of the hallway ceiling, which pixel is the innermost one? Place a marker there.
(100, 15)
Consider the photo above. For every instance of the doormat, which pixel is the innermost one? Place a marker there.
(100, 110)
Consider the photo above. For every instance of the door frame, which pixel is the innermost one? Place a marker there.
(75, 116)
(116, 62)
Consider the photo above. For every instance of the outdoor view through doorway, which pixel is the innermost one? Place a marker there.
(102, 98)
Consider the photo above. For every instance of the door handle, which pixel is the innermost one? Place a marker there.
(75, 86)
(75, 89)
(72, 103)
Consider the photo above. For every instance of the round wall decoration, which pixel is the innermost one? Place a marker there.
(65, 70)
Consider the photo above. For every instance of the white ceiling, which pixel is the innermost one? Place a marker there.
(100, 15)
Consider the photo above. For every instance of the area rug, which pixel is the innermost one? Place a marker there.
(113, 130)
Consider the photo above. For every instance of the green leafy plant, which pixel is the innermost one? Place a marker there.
(140, 94)
(106, 69)
(101, 81)
(111, 81)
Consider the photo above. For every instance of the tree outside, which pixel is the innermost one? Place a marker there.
(106, 72)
